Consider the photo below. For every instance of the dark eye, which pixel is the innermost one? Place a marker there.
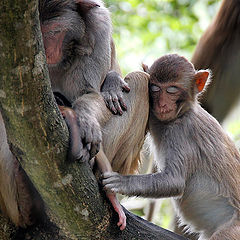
(155, 88)
(172, 90)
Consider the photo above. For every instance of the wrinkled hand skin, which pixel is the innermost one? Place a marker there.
(90, 137)
(112, 92)
(115, 183)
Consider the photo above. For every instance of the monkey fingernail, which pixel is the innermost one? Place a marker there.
(124, 107)
(114, 110)
(126, 88)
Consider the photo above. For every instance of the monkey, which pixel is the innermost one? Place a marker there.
(215, 51)
(81, 60)
(80, 53)
(198, 164)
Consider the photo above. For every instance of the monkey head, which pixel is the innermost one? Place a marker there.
(174, 86)
(63, 27)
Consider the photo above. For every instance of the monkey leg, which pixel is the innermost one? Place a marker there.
(123, 136)
(19, 200)
(105, 166)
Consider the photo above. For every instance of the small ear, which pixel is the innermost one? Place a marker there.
(145, 68)
(201, 78)
(83, 6)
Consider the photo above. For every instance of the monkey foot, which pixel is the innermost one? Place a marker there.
(118, 208)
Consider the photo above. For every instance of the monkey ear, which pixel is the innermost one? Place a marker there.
(202, 79)
(145, 68)
(83, 6)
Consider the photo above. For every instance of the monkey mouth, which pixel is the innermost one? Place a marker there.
(165, 111)
(164, 114)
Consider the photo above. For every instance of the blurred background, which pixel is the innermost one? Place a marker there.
(144, 30)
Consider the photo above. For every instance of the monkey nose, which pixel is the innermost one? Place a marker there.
(162, 104)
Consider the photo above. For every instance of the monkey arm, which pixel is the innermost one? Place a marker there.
(155, 185)
(114, 85)
(112, 92)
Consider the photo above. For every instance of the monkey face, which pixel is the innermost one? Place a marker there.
(164, 99)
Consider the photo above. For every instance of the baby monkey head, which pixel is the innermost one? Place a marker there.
(174, 86)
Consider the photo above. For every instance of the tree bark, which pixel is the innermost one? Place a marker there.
(38, 137)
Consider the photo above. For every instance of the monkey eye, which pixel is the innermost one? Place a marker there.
(155, 88)
(172, 89)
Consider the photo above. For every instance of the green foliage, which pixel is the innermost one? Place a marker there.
(145, 30)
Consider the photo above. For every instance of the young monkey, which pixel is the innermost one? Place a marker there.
(198, 164)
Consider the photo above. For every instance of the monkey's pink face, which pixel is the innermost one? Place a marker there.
(53, 35)
(164, 97)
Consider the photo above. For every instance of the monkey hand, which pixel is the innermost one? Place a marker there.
(112, 92)
(115, 183)
(90, 137)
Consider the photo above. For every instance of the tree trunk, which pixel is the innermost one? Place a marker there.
(38, 137)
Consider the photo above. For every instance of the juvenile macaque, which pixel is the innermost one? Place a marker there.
(218, 49)
(80, 56)
(198, 164)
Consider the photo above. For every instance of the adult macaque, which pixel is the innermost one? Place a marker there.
(200, 166)
(218, 49)
(80, 53)
(80, 57)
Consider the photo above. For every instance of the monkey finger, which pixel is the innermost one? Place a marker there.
(110, 189)
(125, 87)
(111, 106)
(109, 184)
(85, 155)
(122, 103)
(94, 149)
(108, 101)
(109, 174)
(117, 105)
